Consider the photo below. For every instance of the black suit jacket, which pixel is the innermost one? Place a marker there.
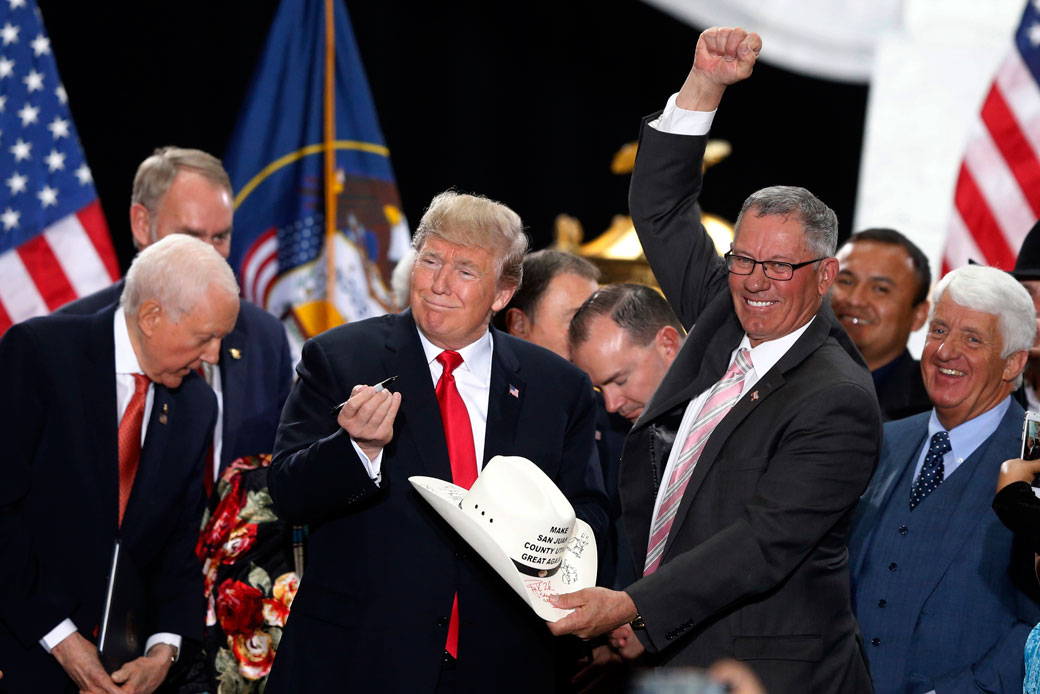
(373, 607)
(755, 566)
(59, 497)
(900, 388)
(254, 384)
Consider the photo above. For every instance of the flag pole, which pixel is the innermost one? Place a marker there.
(330, 157)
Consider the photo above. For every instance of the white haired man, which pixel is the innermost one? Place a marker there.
(944, 599)
(105, 427)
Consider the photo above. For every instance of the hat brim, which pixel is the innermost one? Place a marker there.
(1026, 274)
(577, 568)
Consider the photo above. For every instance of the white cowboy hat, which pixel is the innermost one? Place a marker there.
(523, 526)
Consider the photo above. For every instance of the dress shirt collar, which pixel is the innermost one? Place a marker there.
(126, 358)
(476, 356)
(966, 437)
(767, 354)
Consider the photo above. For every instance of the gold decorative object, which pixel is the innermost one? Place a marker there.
(617, 252)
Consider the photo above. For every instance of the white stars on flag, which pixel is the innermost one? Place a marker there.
(48, 196)
(15, 4)
(21, 150)
(60, 93)
(28, 114)
(83, 174)
(1034, 34)
(55, 160)
(59, 127)
(17, 183)
(41, 45)
(33, 81)
(9, 34)
(6, 67)
(3, 103)
(10, 218)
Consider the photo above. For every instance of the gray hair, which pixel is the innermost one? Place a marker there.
(176, 271)
(156, 173)
(819, 222)
(477, 222)
(993, 291)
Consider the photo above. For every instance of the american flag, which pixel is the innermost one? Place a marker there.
(54, 243)
(997, 199)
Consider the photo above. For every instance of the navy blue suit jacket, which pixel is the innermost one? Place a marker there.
(59, 497)
(974, 608)
(373, 606)
(254, 384)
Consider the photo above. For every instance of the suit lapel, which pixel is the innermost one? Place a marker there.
(420, 415)
(102, 415)
(233, 375)
(505, 398)
(156, 441)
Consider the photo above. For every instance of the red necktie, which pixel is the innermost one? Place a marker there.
(459, 435)
(130, 440)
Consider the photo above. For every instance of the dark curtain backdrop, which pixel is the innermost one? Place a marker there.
(523, 102)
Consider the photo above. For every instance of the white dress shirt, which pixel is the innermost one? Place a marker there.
(473, 380)
(763, 358)
(126, 366)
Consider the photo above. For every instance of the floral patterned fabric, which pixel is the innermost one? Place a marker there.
(1031, 685)
(250, 582)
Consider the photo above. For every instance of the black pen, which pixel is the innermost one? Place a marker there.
(379, 388)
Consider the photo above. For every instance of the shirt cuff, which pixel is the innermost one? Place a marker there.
(167, 638)
(58, 634)
(678, 121)
(374, 467)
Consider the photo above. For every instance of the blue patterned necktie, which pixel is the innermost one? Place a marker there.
(932, 472)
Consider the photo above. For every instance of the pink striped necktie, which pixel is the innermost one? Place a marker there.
(723, 396)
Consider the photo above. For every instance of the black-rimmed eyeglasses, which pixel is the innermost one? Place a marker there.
(773, 269)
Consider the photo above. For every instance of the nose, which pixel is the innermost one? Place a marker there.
(947, 350)
(612, 399)
(757, 280)
(440, 283)
(211, 352)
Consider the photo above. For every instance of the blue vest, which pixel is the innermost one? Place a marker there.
(896, 556)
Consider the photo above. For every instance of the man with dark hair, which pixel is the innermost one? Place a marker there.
(1027, 272)
(625, 336)
(739, 476)
(881, 296)
(555, 285)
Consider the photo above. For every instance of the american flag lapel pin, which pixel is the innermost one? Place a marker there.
(514, 391)
(754, 395)
(164, 413)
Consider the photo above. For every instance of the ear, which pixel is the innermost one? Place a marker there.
(920, 315)
(668, 341)
(140, 225)
(517, 323)
(149, 316)
(827, 273)
(1014, 364)
(502, 297)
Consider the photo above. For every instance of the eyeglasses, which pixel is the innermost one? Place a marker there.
(773, 269)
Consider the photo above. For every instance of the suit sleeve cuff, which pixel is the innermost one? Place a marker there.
(164, 637)
(374, 467)
(678, 121)
(58, 634)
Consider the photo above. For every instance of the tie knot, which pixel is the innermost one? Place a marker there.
(140, 383)
(450, 360)
(742, 364)
(940, 444)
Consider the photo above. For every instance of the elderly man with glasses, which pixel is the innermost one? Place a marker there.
(739, 476)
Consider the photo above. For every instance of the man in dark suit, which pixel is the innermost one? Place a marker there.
(187, 191)
(739, 476)
(393, 599)
(881, 296)
(72, 486)
(943, 594)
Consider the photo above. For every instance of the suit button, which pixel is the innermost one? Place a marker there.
(893, 566)
(442, 621)
(875, 641)
(882, 602)
(903, 530)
